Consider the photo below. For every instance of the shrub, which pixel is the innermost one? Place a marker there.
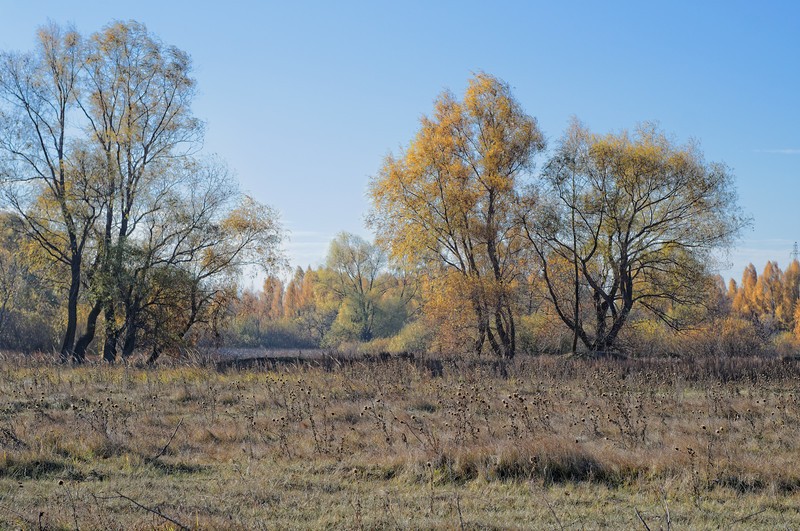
(738, 337)
(541, 333)
(415, 338)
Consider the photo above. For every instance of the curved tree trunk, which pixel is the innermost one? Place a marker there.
(129, 344)
(88, 336)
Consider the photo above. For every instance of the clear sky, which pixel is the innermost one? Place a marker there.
(305, 99)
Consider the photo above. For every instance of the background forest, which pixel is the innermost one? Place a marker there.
(121, 236)
(755, 317)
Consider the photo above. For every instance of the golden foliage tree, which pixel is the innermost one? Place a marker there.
(769, 300)
(769, 294)
(272, 298)
(790, 293)
(447, 202)
(97, 144)
(744, 300)
(640, 218)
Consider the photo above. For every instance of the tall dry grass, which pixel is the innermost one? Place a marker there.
(463, 442)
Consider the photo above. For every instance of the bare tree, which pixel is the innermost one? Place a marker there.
(138, 93)
(205, 242)
(648, 217)
(47, 172)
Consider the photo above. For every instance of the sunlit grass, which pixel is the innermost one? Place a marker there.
(555, 444)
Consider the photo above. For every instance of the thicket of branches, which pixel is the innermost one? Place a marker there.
(113, 217)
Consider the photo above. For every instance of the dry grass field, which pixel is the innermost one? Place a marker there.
(548, 444)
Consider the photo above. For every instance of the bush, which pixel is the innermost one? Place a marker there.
(271, 334)
(415, 338)
(785, 345)
(738, 337)
(28, 332)
(541, 333)
(650, 338)
(375, 347)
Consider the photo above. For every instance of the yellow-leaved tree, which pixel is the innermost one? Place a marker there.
(769, 300)
(639, 218)
(448, 201)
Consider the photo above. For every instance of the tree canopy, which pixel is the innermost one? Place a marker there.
(448, 202)
(640, 217)
(98, 155)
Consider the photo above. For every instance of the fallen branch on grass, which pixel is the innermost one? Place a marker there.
(743, 518)
(642, 519)
(163, 450)
(119, 495)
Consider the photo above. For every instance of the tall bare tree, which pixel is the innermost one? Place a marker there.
(46, 169)
(649, 217)
(138, 95)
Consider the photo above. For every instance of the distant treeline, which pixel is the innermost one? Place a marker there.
(758, 317)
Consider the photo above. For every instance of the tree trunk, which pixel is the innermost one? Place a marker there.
(151, 360)
(482, 326)
(505, 348)
(91, 327)
(493, 342)
(130, 341)
(132, 309)
(111, 335)
(67, 345)
(576, 310)
(512, 336)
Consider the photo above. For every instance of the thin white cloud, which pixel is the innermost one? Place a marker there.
(308, 234)
(307, 245)
(779, 151)
(765, 243)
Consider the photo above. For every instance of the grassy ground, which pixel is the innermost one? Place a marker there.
(550, 444)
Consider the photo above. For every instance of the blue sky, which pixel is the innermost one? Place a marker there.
(305, 99)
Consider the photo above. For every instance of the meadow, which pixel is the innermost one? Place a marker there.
(461, 443)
